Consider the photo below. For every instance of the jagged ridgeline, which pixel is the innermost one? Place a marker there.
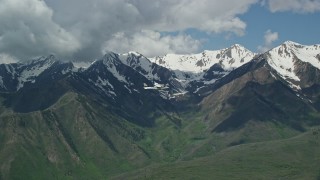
(128, 116)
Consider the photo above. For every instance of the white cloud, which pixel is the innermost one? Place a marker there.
(299, 6)
(213, 16)
(151, 43)
(7, 59)
(27, 29)
(79, 28)
(269, 38)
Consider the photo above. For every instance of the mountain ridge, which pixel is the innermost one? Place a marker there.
(199, 62)
(122, 111)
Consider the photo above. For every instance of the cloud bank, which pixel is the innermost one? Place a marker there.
(151, 43)
(298, 6)
(81, 29)
(27, 29)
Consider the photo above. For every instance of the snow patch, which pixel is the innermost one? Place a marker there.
(157, 86)
(65, 71)
(105, 86)
(273, 75)
(180, 93)
(33, 70)
(1, 83)
(128, 89)
(114, 71)
(140, 63)
(210, 82)
(105, 82)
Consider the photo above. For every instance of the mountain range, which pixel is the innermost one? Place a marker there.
(126, 112)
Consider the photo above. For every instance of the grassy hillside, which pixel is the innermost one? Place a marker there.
(77, 138)
(70, 140)
(294, 158)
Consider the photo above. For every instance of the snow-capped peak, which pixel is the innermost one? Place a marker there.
(110, 55)
(285, 57)
(42, 60)
(228, 58)
(140, 63)
(134, 53)
(33, 68)
(132, 58)
(110, 59)
(289, 51)
(291, 43)
(238, 46)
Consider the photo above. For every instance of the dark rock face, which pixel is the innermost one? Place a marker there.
(215, 72)
(308, 74)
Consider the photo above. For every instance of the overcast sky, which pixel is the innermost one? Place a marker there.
(85, 30)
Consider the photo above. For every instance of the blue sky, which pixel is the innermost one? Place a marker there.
(303, 28)
(85, 30)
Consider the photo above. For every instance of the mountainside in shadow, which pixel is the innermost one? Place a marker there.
(124, 112)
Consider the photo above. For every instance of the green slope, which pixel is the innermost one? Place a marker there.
(294, 158)
(71, 139)
(78, 138)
